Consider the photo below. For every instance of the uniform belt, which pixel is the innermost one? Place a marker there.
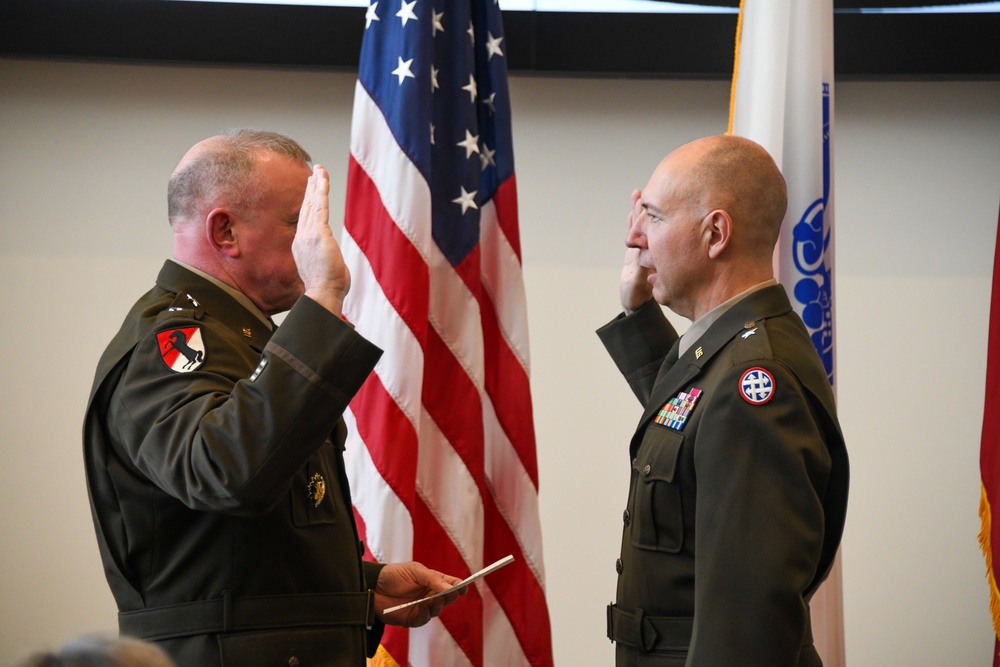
(240, 614)
(648, 633)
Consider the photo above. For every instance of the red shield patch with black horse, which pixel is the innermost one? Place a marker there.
(182, 350)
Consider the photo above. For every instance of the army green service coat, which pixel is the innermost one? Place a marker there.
(736, 505)
(214, 459)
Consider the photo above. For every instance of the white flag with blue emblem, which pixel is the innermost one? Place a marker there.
(782, 98)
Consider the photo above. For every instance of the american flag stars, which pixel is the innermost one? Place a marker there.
(403, 70)
(406, 12)
(405, 54)
(431, 237)
(493, 46)
(469, 144)
(486, 158)
(370, 15)
(466, 200)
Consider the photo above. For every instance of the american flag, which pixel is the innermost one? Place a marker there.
(441, 451)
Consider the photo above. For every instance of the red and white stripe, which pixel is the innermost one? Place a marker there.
(441, 449)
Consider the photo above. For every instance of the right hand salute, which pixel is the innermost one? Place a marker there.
(635, 288)
(321, 266)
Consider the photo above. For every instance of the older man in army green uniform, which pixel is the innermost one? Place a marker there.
(214, 442)
(739, 471)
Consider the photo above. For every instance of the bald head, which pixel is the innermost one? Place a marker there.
(222, 171)
(707, 221)
(740, 177)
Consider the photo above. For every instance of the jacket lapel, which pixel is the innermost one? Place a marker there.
(677, 377)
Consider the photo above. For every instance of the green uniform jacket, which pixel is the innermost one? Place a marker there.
(736, 507)
(217, 484)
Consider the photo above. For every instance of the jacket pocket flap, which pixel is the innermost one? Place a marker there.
(658, 453)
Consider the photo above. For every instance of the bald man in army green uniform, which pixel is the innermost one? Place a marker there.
(739, 472)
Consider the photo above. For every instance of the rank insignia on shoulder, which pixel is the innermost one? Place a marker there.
(260, 369)
(757, 386)
(182, 350)
(316, 489)
(674, 413)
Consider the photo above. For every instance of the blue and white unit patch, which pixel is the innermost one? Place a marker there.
(757, 386)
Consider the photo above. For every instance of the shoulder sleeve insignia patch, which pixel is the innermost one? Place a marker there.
(757, 386)
(182, 350)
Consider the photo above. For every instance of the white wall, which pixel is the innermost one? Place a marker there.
(85, 151)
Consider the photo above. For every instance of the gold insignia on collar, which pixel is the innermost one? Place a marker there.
(698, 353)
(248, 332)
(750, 325)
(316, 489)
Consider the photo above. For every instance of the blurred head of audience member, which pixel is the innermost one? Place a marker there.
(95, 651)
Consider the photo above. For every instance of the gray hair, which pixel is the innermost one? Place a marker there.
(94, 651)
(225, 168)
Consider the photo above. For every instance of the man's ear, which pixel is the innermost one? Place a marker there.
(220, 228)
(719, 232)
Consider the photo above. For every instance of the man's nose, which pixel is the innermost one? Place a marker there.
(636, 237)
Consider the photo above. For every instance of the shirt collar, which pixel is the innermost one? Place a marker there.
(701, 325)
(243, 299)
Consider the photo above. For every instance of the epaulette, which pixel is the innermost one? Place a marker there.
(752, 343)
(183, 305)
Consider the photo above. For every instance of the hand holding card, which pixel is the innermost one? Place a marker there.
(465, 582)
